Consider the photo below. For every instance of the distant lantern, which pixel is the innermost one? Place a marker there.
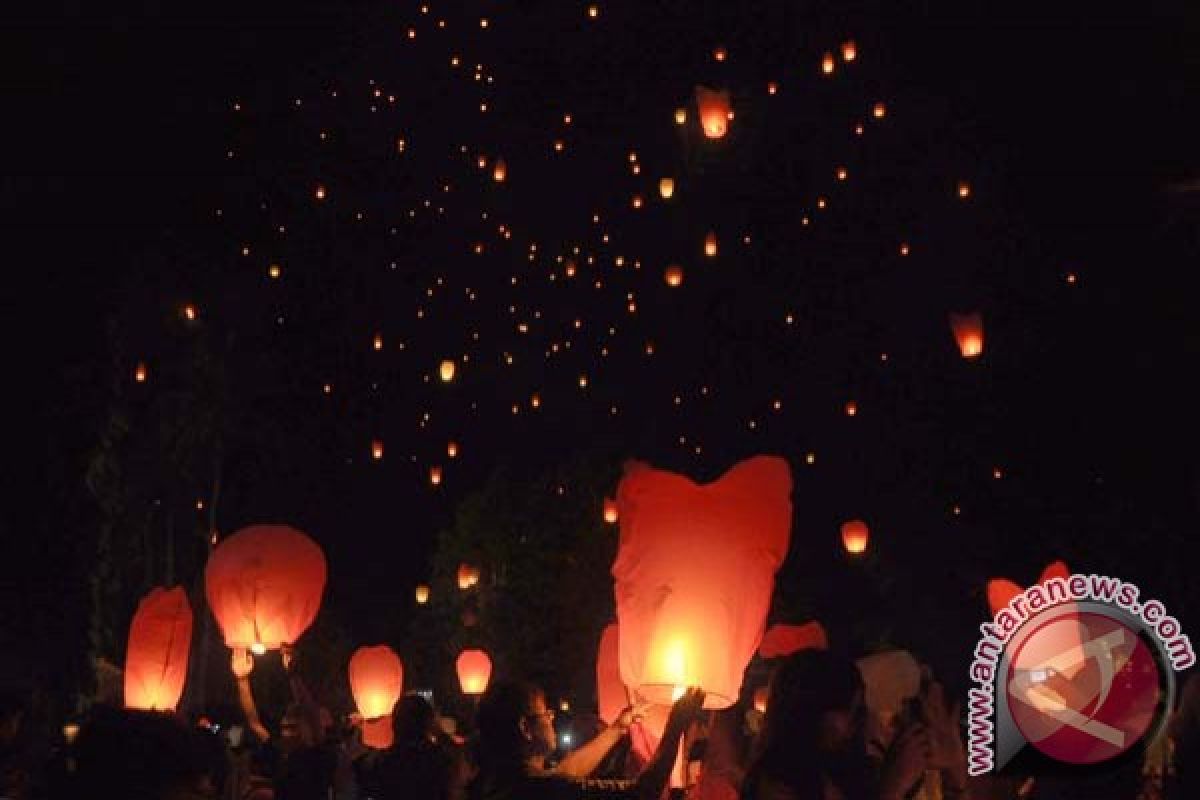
(760, 699)
(139, 373)
(719, 53)
(474, 669)
(319, 192)
(710, 244)
(637, 201)
(274, 271)
(499, 171)
(849, 51)
(674, 276)
(467, 576)
(446, 370)
(156, 658)
(593, 11)
(713, 106)
(772, 87)
(422, 594)
(377, 449)
(610, 511)
(854, 536)
(452, 449)
(968, 332)
(964, 189)
(376, 681)
(694, 575)
(680, 116)
(378, 342)
(189, 312)
(435, 475)
(264, 586)
(827, 63)
(879, 110)
(851, 408)
(666, 188)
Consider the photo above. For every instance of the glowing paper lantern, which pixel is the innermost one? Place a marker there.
(694, 575)
(849, 51)
(674, 276)
(451, 449)
(446, 370)
(1001, 591)
(499, 171)
(422, 593)
(968, 332)
(666, 188)
(710, 244)
(264, 585)
(855, 535)
(714, 111)
(611, 696)
(760, 699)
(156, 657)
(827, 63)
(377, 449)
(610, 512)
(376, 681)
(468, 575)
(680, 116)
(474, 671)
(783, 640)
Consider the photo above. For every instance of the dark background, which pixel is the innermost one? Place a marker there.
(1079, 119)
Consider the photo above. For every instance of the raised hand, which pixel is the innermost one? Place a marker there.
(242, 663)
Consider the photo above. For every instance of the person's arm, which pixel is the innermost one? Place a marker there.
(650, 784)
(582, 762)
(243, 662)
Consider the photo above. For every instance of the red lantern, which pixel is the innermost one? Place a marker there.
(610, 512)
(714, 111)
(499, 171)
(855, 536)
(264, 585)
(376, 681)
(468, 575)
(611, 697)
(156, 658)
(1001, 591)
(474, 671)
(783, 640)
(710, 244)
(694, 575)
(968, 332)
(760, 699)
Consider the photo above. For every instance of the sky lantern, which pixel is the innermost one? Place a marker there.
(849, 51)
(446, 370)
(435, 476)
(139, 373)
(452, 449)
(499, 171)
(376, 681)
(710, 244)
(264, 585)
(422, 594)
(964, 190)
(680, 116)
(827, 63)
(377, 449)
(713, 106)
(760, 699)
(673, 276)
(611, 695)
(1001, 591)
(855, 535)
(968, 332)
(610, 511)
(666, 188)
(694, 573)
(783, 640)
(156, 658)
(468, 575)
(474, 671)
(879, 110)
(720, 53)
(319, 192)
(851, 408)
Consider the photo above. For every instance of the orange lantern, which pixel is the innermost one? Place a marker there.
(680, 116)
(376, 681)
(468, 575)
(849, 51)
(714, 111)
(1001, 591)
(968, 332)
(377, 449)
(760, 699)
(610, 512)
(264, 585)
(783, 640)
(673, 276)
(422, 593)
(446, 370)
(474, 671)
(855, 535)
(666, 188)
(694, 574)
(611, 696)
(710, 244)
(452, 449)
(156, 658)
(827, 63)
(499, 171)
(139, 374)
(435, 475)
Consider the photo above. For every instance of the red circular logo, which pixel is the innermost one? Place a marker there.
(1083, 687)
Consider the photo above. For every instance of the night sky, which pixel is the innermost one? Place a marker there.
(1075, 129)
